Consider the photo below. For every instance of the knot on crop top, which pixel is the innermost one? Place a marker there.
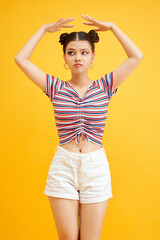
(75, 115)
(84, 136)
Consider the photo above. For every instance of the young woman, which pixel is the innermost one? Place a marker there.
(79, 173)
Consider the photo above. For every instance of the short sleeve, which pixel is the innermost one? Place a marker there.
(109, 81)
(51, 86)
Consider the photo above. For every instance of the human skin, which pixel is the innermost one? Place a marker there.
(121, 73)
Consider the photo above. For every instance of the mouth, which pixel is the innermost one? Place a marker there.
(78, 65)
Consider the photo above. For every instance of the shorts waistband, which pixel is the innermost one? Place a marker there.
(95, 153)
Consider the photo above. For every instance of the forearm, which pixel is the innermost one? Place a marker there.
(27, 49)
(130, 48)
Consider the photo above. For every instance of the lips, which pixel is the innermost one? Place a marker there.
(77, 64)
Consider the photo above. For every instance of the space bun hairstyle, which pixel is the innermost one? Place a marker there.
(92, 37)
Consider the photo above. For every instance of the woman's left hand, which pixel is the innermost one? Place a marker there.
(102, 26)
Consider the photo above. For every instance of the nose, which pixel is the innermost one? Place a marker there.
(78, 57)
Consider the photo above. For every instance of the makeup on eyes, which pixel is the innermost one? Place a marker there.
(69, 52)
(72, 51)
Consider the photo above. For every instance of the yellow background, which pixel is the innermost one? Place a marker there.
(28, 132)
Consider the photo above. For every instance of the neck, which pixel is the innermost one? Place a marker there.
(80, 80)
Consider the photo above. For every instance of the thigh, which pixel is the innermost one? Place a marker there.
(62, 178)
(65, 214)
(95, 179)
(91, 220)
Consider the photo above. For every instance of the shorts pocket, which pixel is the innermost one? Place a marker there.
(101, 160)
(57, 161)
(102, 165)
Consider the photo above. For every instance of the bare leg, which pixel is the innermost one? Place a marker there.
(92, 217)
(65, 214)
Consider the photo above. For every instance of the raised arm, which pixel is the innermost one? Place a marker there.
(22, 58)
(134, 54)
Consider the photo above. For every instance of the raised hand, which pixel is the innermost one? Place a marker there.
(56, 26)
(102, 26)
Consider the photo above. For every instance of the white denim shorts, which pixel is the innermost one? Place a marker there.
(81, 176)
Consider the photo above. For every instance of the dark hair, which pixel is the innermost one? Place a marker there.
(91, 37)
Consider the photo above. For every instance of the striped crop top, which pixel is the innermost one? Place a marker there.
(75, 115)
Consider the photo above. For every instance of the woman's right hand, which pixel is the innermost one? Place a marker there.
(56, 26)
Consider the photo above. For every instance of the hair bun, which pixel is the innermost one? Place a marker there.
(63, 38)
(93, 36)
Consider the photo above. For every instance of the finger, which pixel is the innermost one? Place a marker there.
(67, 26)
(88, 23)
(65, 22)
(68, 19)
(89, 17)
(91, 20)
(86, 18)
(60, 19)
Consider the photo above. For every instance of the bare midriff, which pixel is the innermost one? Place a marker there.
(82, 147)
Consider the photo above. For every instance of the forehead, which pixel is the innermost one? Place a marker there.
(78, 45)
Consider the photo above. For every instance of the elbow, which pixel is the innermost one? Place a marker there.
(16, 59)
(140, 57)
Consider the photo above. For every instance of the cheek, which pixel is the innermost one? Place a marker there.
(88, 61)
(89, 58)
(69, 60)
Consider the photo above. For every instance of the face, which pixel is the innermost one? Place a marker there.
(79, 52)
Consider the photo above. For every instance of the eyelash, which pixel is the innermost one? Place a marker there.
(72, 51)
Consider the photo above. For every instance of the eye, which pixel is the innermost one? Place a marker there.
(84, 51)
(70, 52)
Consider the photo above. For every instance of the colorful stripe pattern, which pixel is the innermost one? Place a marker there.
(75, 115)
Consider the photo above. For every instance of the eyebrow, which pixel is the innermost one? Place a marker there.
(80, 49)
